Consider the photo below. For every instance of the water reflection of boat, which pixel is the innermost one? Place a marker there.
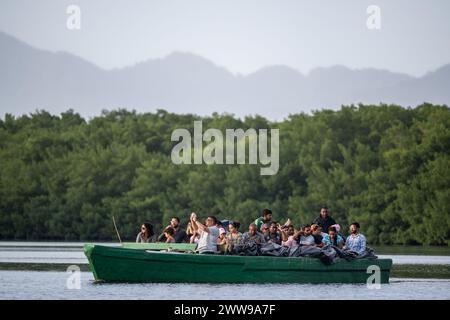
(149, 263)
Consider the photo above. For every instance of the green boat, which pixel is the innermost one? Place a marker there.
(144, 263)
(159, 246)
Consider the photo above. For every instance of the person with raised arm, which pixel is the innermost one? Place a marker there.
(179, 234)
(207, 244)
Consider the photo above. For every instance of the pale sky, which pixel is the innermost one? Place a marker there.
(241, 35)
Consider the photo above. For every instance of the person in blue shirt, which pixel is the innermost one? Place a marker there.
(333, 238)
(273, 236)
(356, 242)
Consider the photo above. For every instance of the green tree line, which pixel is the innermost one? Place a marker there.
(387, 167)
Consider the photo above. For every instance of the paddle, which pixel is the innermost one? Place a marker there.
(117, 231)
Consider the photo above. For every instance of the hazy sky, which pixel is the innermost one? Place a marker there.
(241, 35)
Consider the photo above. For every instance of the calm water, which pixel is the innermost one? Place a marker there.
(52, 285)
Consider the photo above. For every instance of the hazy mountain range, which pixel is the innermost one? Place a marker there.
(33, 79)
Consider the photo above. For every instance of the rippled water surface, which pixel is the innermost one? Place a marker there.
(16, 284)
(53, 285)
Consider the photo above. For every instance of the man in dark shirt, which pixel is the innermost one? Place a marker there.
(180, 234)
(324, 220)
(316, 233)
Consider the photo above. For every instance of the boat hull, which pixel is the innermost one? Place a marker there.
(112, 264)
(159, 246)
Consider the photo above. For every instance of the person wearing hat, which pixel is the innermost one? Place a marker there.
(222, 241)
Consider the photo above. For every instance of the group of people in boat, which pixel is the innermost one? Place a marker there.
(218, 237)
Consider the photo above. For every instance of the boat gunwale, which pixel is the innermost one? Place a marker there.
(304, 263)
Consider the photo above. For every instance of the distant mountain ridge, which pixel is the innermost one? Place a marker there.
(33, 79)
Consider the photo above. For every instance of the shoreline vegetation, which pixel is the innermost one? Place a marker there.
(388, 167)
(417, 271)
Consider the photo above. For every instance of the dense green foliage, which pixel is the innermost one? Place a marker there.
(388, 167)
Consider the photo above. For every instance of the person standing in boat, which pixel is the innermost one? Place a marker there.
(179, 234)
(356, 242)
(146, 235)
(266, 218)
(208, 234)
(324, 220)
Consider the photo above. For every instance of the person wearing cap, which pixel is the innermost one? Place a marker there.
(222, 241)
(266, 218)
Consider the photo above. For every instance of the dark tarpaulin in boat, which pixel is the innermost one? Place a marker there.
(328, 254)
(350, 255)
(249, 248)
